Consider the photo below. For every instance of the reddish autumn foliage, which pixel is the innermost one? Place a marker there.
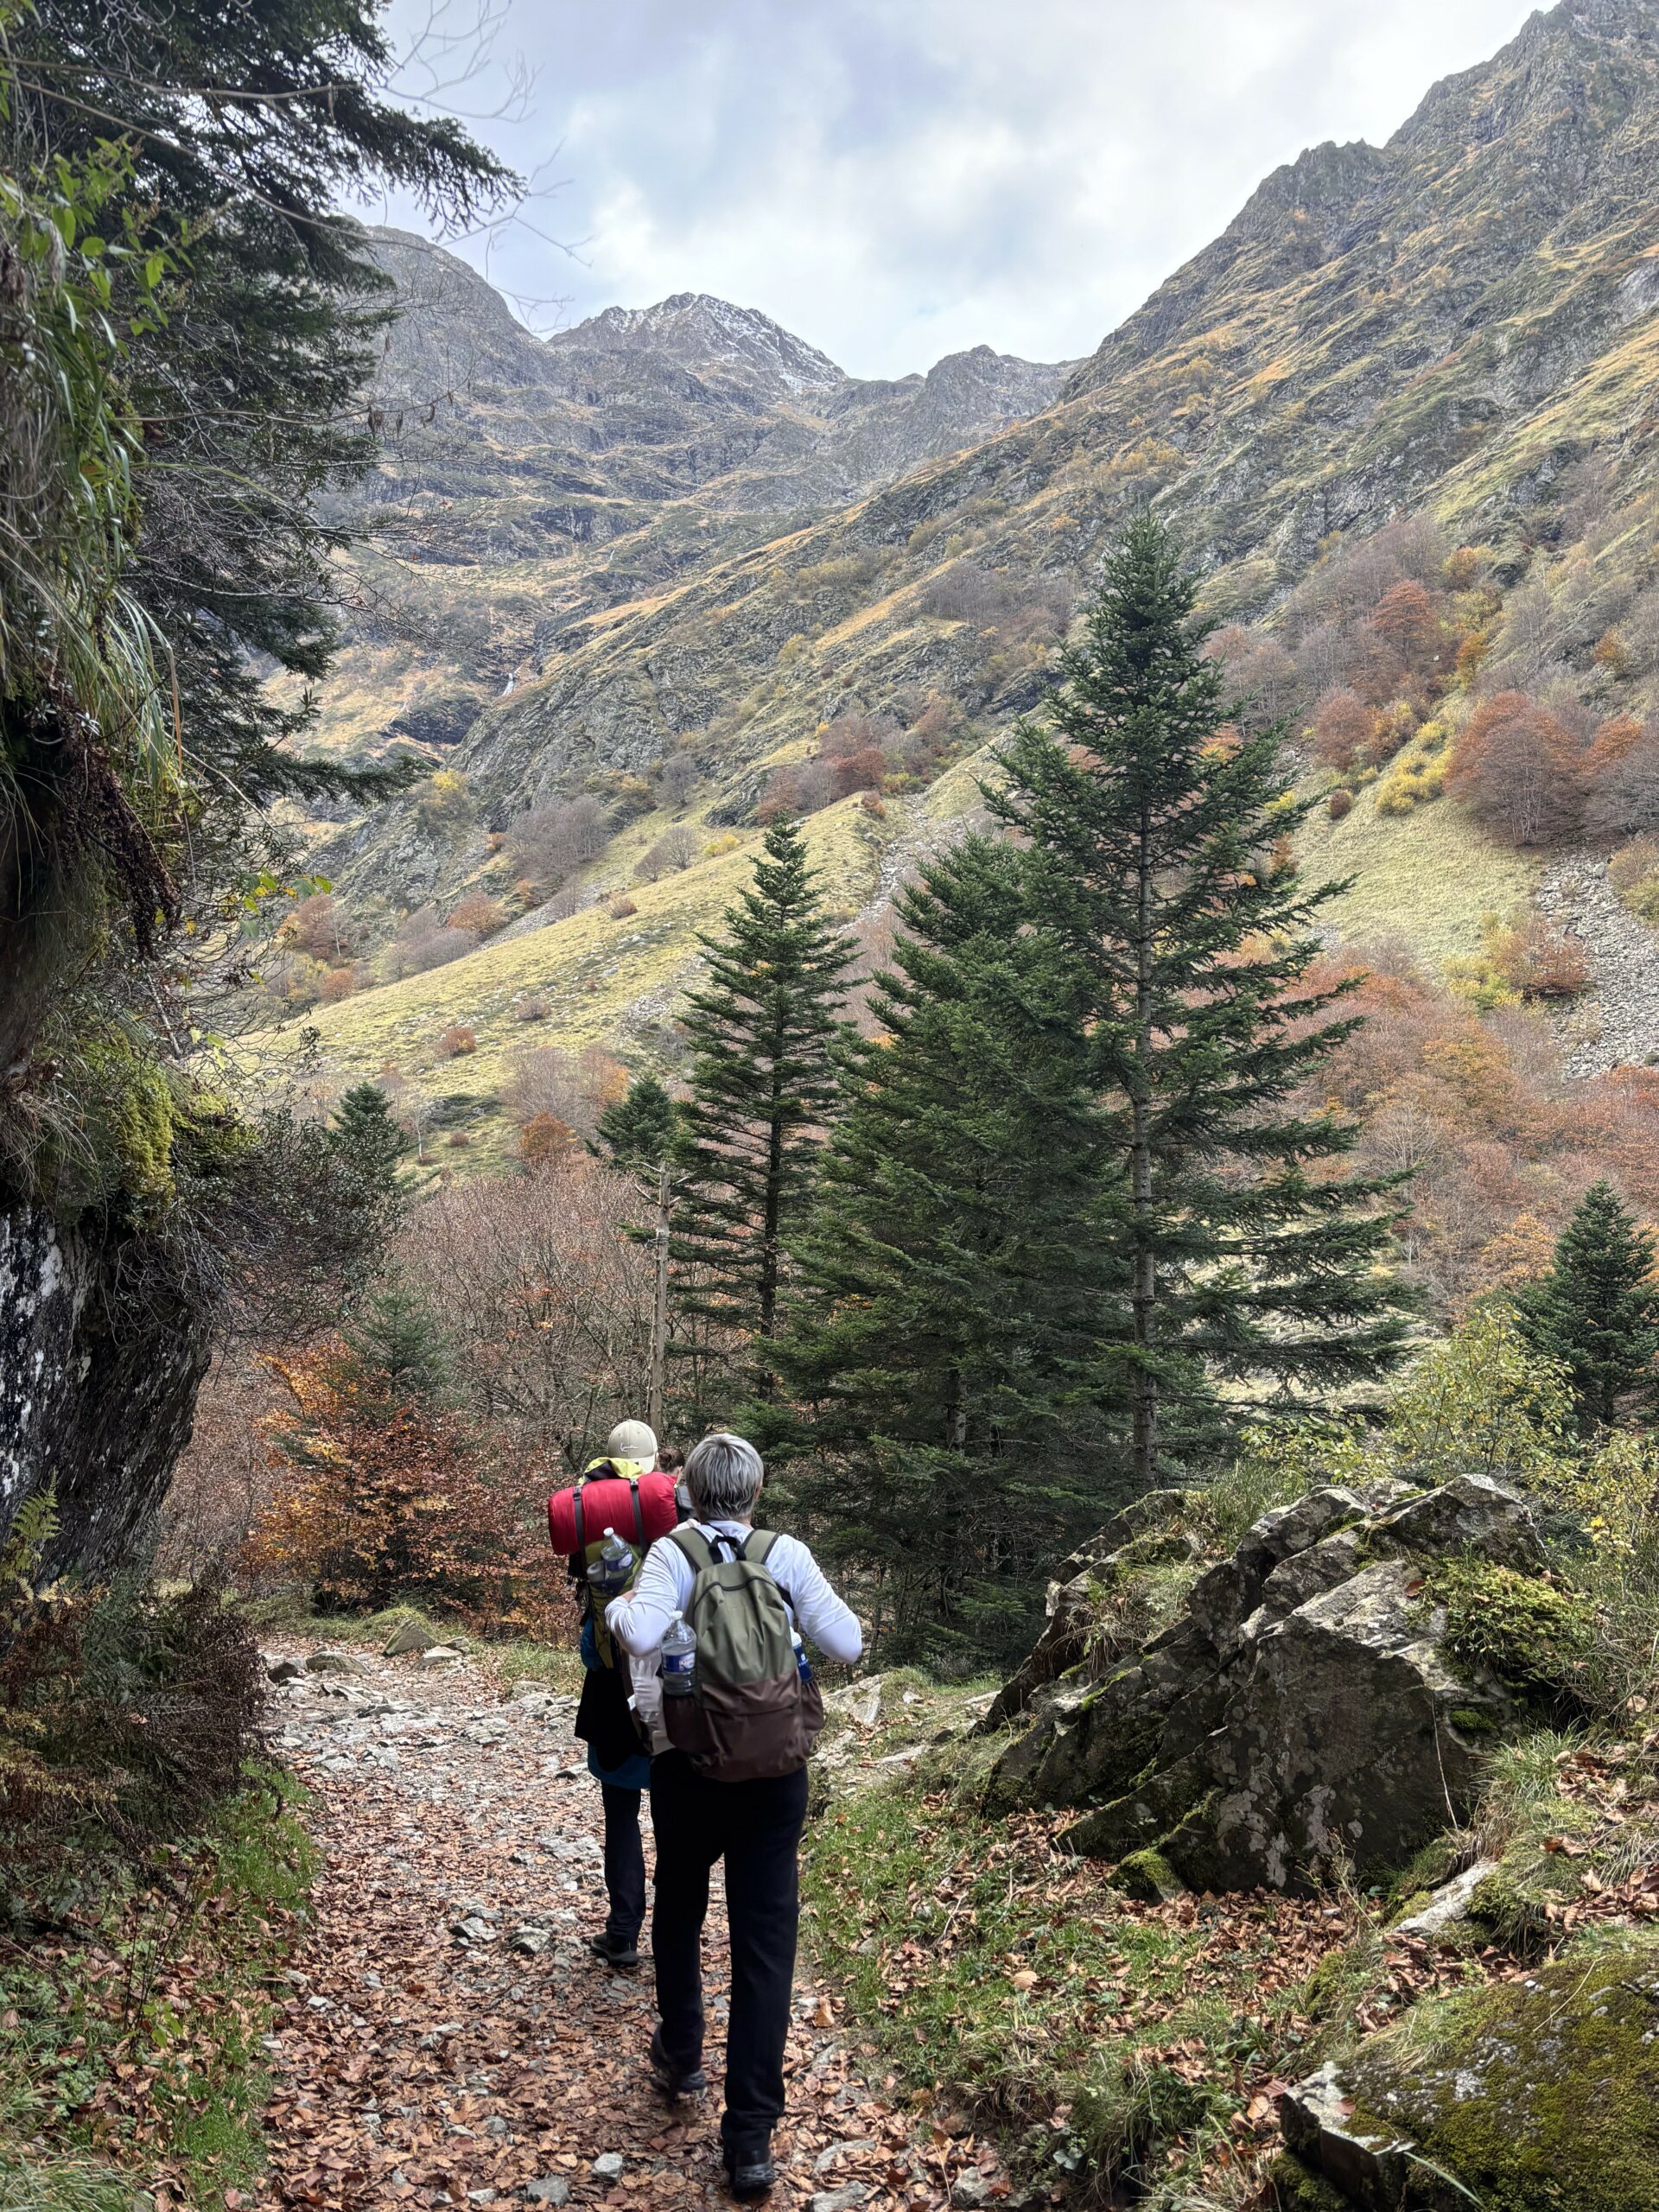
(1540, 962)
(455, 1042)
(381, 1496)
(1500, 1146)
(1520, 769)
(480, 914)
(1409, 619)
(1343, 727)
(546, 1141)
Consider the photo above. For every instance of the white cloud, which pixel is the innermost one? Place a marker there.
(896, 178)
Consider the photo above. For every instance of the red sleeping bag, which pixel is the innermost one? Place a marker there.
(607, 1502)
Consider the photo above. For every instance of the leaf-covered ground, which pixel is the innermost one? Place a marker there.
(503, 2064)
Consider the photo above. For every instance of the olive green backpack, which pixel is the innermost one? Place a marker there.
(753, 1712)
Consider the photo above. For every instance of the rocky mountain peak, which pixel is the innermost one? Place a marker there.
(700, 331)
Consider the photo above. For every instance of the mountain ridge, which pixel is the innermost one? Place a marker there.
(1453, 326)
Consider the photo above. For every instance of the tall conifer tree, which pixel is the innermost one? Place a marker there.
(1155, 844)
(945, 1361)
(1596, 1311)
(762, 1088)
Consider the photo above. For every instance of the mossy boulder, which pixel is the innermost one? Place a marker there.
(1327, 1692)
(1534, 2096)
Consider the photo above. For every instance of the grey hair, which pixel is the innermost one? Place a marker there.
(723, 1475)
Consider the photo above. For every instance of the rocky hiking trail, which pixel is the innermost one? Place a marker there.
(444, 2036)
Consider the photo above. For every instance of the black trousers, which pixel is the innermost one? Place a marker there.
(625, 1863)
(756, 1828)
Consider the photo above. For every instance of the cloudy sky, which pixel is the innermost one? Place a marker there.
(897, 178)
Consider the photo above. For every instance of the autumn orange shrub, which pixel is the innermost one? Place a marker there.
(1340, 804)
(1343, 727)
(1407, 617)
(483, 915)
(622, 908)
(381, 1498)
(455, 1042)
(1520, 769)
(1540, 962)
(339, 983)
(546, 1141)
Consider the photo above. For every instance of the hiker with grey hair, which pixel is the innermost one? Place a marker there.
(737, 1789)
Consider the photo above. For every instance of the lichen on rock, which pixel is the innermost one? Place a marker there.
(1541, 2095)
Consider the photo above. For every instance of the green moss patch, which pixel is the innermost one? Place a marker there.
(1538, 2096)
(1531, 1634)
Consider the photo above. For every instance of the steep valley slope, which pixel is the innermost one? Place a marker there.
(703, 563)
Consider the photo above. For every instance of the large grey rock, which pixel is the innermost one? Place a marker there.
(334, 1663)
(1071, 1605)
(1300, 1711)
(1471, 1514)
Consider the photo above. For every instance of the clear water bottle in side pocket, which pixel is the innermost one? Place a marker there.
(611, 1572)
(803, 1665)
(679, 1657)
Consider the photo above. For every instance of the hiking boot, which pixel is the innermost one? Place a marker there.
(668, 2077)
(752, 2176)
(615, 1950)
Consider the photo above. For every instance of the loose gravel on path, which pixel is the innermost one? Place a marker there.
(445, 2038)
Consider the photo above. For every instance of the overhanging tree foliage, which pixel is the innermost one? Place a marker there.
(213, 316)
(762, 1087)
(1596, 1311)
(1155, 852)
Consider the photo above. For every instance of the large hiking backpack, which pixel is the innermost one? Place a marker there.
(609, 1494)
(753, 1712)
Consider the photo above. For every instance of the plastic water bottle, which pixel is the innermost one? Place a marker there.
(679, 1667)
(612, 1571)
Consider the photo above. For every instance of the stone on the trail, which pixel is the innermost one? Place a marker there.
(472, 1930)
(283, 1670)
(1542, 2092)
(553, 2189)
(410, 1635)
(485, 1731)
(854, 2146)
(480, 2196)
(334, 1663)
(844, 2199)
(970, 2189)
(532, 1941)
(437, 1655)
(608, 2166)
(1449, 1903)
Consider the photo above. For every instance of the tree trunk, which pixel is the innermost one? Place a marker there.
(100, 1361)
(1144, 1289)
(657, 1384)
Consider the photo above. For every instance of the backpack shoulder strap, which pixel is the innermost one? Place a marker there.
(756, 1545)
(694, 1544)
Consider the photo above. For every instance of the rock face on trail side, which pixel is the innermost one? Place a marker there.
(1538, 2093)
(1300, 1706)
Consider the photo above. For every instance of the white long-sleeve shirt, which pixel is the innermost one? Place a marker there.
(639, 1620)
